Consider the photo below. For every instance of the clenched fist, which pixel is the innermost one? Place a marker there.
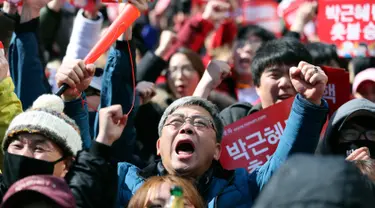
(309, 80)
(216, 72)
(111, 124)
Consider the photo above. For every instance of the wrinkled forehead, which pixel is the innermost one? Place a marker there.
(192, 110)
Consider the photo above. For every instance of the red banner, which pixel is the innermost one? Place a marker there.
(249, 142)
(262, 13)
(338, 88)
(349, 24)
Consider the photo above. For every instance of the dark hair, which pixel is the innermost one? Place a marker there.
(255, 30)
(286, 51)
(322, 53)
(361, 63)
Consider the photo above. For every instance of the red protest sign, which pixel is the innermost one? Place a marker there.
(262, 13)
(349, 25)
(337, 91)
(249, 142)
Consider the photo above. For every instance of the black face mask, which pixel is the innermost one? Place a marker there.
(348, 147)
(17, 167)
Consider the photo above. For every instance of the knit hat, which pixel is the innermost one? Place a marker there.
(46, 117)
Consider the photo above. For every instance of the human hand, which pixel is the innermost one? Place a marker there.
(216, 10)
(305, 14)
(146, 91)
(141, 5)
(309, 80)
(362, 153)
(167, 39)
(75, 74)
(215, 73)
(31, 9)
(112, 122)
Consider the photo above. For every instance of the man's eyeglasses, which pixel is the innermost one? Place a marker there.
(178, 120)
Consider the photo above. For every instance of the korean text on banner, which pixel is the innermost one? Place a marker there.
(262, 13)
(349, 24)
(249, 142)
(337, 91)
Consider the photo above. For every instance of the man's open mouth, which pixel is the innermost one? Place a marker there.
(185, 148)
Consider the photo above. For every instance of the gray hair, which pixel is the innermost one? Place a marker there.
(195, 101)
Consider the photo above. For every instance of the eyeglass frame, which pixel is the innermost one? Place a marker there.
(191, 121)
(182, 69)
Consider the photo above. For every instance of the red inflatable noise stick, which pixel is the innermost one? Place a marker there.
(127, 16)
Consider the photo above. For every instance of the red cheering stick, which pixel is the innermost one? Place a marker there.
(127, 16)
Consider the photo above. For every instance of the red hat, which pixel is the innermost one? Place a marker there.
(47, 186)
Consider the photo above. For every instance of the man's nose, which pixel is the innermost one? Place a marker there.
(186, 128)
(285, 82)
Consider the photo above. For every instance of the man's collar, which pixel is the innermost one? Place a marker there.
(202, 183)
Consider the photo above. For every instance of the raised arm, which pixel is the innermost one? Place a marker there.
(10, 105)
(117, 88)
(26, 67)
(78, 76)
(93, 177)
(306, 119)
(153, 63)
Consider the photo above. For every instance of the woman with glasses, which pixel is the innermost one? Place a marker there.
(182, 77)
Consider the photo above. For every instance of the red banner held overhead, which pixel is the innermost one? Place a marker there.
(262, 13)
(349, 24)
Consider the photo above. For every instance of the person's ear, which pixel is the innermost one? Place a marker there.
(158, 147)
(217, 151)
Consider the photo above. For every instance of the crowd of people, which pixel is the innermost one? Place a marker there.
(149, 115)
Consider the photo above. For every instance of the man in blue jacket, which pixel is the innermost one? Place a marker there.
(189, 145)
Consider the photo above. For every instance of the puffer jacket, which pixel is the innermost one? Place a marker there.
(238, 188)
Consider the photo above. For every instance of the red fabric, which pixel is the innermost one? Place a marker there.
(161, 80)
(194, 32)
(192, 35)
(225, 34)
